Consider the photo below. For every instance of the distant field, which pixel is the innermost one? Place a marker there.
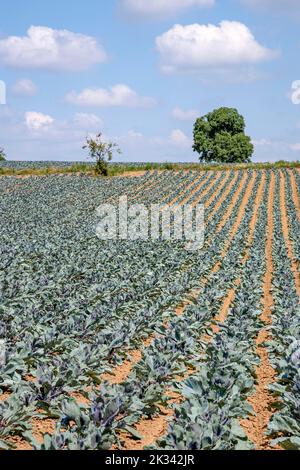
(118, 168)
(131, 345)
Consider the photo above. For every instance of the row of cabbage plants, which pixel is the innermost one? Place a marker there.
(285, 347)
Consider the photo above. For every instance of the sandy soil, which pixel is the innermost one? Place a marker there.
(130, 174)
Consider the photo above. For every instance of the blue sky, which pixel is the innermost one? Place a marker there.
(140, 71)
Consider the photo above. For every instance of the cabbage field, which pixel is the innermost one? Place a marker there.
(136, 345)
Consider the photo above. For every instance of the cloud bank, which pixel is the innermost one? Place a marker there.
(182, 115)
(117, 96)
(51, 49)
(195, 47)
(24, 88)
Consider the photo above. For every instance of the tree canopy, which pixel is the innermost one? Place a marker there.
(220, 136)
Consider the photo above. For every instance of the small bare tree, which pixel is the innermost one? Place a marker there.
(102, 152)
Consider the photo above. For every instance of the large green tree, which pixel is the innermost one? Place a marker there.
(219, 136)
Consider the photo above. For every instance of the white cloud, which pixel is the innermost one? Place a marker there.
(264, 143)
(182, 115)
(132, 140)
(161, 8)
(179, 139)
(279, 145)
(87, 121)
(37, 121)
(48, 127)
(135, 135)
(43, 126)
(118, 95)
(176, 139)
(196, 47)
(47, 48)
(24, 88)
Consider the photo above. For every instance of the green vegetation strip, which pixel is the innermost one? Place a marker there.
(115, 169)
